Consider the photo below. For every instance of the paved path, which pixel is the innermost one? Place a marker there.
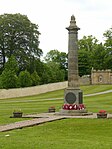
(105, 92)
(41, 118)
(28, 123)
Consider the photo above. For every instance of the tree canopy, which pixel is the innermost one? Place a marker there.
(18, 37)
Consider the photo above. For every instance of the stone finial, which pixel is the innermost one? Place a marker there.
(73, 25)
(73, 22)
(72, 17)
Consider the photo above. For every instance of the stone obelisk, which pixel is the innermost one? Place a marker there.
(73, 94)
(73, 55)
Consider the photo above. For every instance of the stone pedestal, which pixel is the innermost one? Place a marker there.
(73, 96)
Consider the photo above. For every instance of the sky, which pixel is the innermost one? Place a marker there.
(93, 17)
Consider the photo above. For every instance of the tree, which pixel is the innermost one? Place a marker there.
(108, 39)
(52, 73)
(12, 65)
(35, 78)
(18, 37)
(25, 79)
(84, 62)
(87, 46)
(108, 47)
(99, 57)
(9, 77)
(87, 43)
(59, 58)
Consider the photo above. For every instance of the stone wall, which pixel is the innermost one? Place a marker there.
(29, 91)
(101, 77)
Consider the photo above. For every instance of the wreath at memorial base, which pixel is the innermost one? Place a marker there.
(73, 106)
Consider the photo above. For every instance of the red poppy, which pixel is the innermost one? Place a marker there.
(102, 111)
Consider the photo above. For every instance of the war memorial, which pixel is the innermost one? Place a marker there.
(73, 96)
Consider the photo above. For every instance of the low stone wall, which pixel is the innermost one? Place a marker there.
(29, 91)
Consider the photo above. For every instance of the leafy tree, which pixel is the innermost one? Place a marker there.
(84, 62)
(52, 73)
(12, 65)
(87, 43)
(35, 65)
(108, 47)
(25, 79)
(108, 39)
(99, 57)
(59, 58)
(18, 37)
(87, 46)
(35, 78)
(9, 78)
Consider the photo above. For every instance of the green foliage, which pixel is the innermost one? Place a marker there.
(25, 79)
(108, 47)
(87, 45)
(9, 78)
(1, 82)
(84, 62)
(12, 65)
(35, 78)
(108, 39)
(59, 58)
(94, 54)
(18, 37)
(52, 73)
(99, 57)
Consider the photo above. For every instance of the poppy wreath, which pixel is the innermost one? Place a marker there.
(81, 106)
(65, 106)
(73, 107)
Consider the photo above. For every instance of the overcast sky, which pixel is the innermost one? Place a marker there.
(93, 17)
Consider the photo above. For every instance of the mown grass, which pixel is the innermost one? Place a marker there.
(41, 103)
(63, 134)
(95, 88)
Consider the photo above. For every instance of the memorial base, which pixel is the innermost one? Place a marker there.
(82, 112)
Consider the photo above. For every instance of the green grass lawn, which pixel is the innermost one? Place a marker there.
(62, 134)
